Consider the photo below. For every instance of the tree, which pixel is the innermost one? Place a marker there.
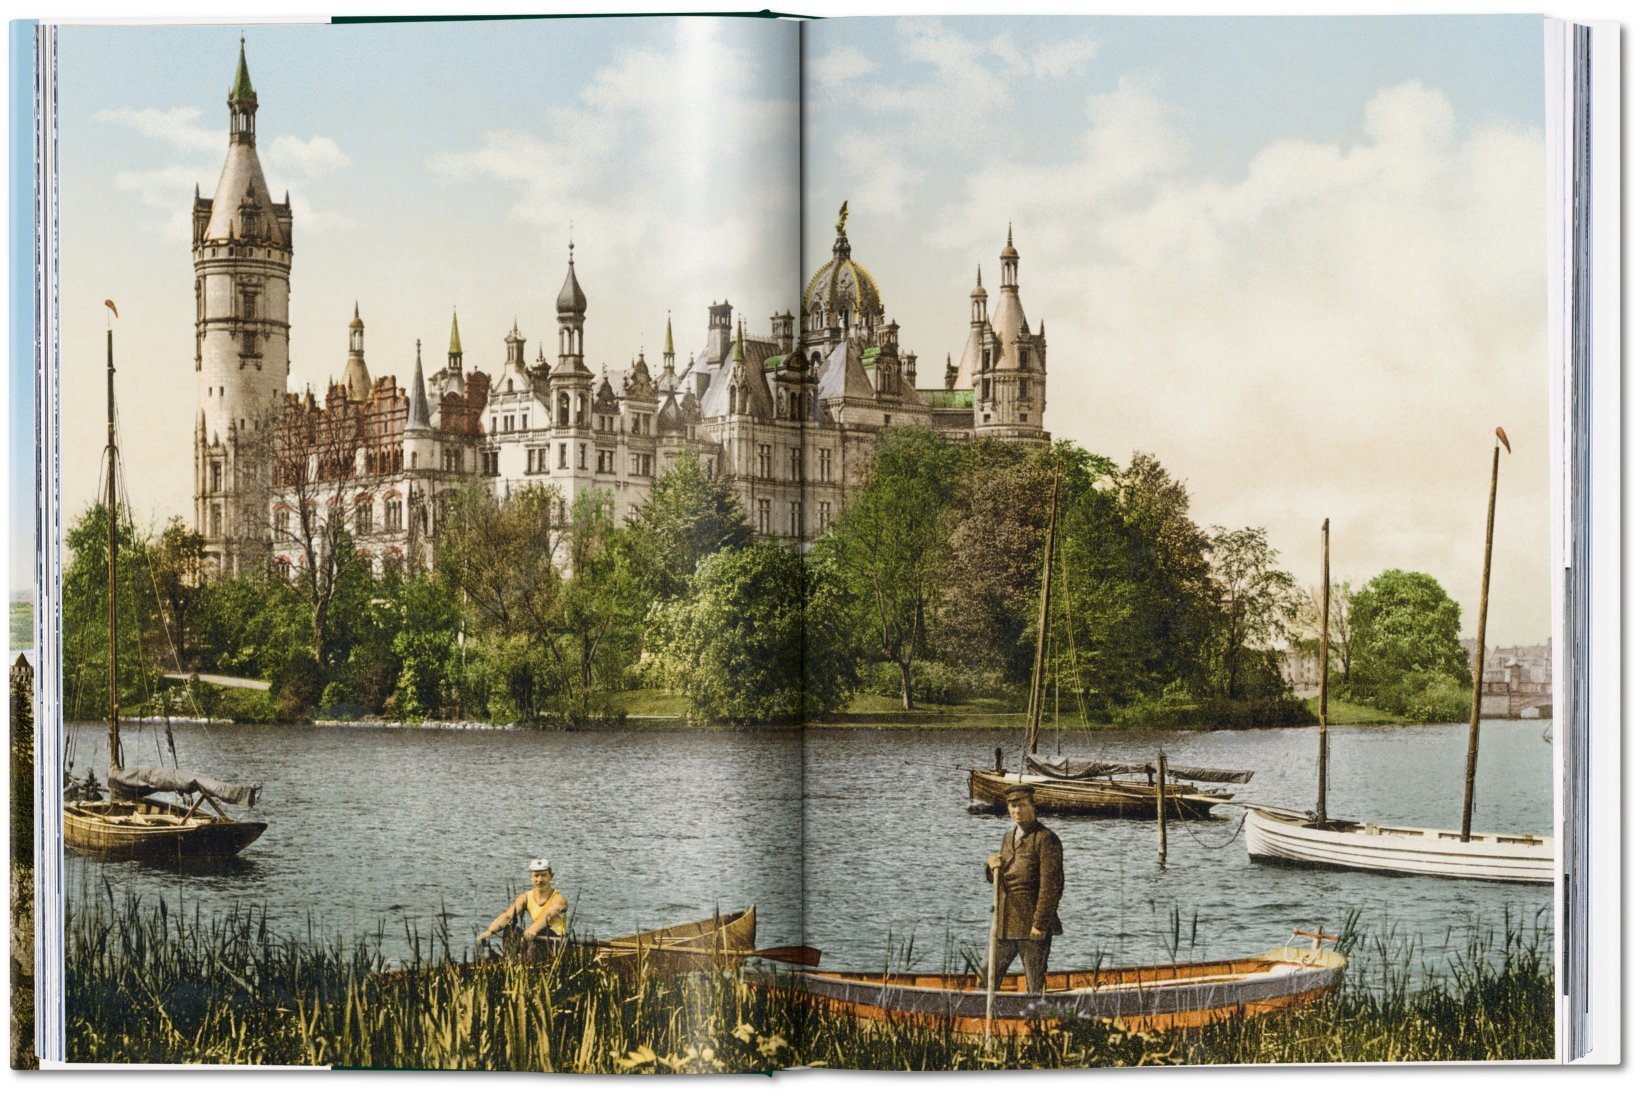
(1308, 623)
(85, 615)
(1257, 603)
(758, 640)
(177, 560)
(888, 541)
(1403, 623)
(688, 516)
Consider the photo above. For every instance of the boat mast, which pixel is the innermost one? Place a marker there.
(114, 759)
(1042, 619)
(1480, 645)
(1326, 595)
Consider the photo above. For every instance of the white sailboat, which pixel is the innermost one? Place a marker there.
(1313, 840)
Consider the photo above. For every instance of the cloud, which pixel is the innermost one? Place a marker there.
(178, 127)
(839, 66)
(165, 189)
(310, 159)
(677, 166)
(1332, 332)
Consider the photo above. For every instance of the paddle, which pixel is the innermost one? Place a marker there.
(801, 955)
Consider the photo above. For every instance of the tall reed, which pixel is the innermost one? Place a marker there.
(148, 983)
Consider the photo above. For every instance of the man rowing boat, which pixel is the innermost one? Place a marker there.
(545, 908)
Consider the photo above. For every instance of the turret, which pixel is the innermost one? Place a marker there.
(356, 377)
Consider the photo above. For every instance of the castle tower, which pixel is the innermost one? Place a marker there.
(357, 375)
(1011, 389)
(570, 381)
(242, 256)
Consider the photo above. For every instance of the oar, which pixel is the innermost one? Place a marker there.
(801, 955)
(991, 949)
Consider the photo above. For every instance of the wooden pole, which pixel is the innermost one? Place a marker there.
(1480, 655)
(114, 759)
(1042, 620)
(1161, 808)
(991, 949)
(1326, 606)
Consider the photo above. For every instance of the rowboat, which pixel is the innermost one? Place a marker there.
(720, 943)
(1104, 796)
(1283, 836)
(1157, 998)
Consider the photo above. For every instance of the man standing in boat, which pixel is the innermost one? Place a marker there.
(545, 908)
(1031, 862)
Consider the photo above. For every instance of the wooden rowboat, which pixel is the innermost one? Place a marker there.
(153, 830)
(719, 943)
(1281, 836)
(1137, 999)
(1055, 796)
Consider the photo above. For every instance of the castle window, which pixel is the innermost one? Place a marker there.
(796, 518)
(563, 455)
(888, 420)
(216, 476)
(363, 515)
(765, 459)
(985, 389)
(247, 305)
(283, 568)
(825, 464)
(581, 461)
(216, 519)
(563, 409)
(393, 515)
(281, 523)
(580, 410)
(1024, 389)
(763, 516)
(825, 515)
(797, 463)
(247, 344)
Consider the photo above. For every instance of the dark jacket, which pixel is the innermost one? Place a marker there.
(1033, 879)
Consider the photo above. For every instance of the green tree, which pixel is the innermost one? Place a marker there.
(1257, 603)
(1403, 624)
(85, 616)
(177, 559)
(759, 640)
(688, 516)
(887, 543)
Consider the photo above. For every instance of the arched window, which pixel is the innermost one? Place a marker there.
(733, 407)
(580, 410)
(781, 404)
(563, 409)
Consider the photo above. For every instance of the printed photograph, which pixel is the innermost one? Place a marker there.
(713, 544)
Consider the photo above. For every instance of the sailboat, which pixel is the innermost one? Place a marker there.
(1088, 786)
(1314, 840)
(131, 823)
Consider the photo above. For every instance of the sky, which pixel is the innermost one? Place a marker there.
(1301, 261)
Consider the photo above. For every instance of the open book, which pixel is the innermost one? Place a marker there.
(726, 544)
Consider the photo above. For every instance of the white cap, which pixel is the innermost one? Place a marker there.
(540, 864)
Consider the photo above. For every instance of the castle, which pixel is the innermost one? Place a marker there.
(788, 419)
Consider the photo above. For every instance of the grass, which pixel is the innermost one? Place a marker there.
(1340, 711)
(150, 984)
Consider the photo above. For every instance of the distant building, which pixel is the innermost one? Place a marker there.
(789, 419)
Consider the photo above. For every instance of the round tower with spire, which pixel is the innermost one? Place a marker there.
(242, 258)
(1010, 385)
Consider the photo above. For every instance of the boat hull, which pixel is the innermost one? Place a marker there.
(151, 830)
(1097, 796)
(719, 943)
(1138, 999)
(1279, 836)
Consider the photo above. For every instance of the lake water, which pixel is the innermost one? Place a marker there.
(857, 842)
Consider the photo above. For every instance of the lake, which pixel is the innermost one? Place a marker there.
(854, 841)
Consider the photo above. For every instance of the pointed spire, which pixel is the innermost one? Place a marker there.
(419, 416)
(571, 301)
(242, 79)
(669, 349)
(455, 333)
(740, 336)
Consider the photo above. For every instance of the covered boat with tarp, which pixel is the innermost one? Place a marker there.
(1088, 786)
(131, 823)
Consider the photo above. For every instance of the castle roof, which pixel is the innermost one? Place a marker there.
(571, 301)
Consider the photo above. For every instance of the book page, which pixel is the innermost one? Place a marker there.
(420, 352)
(1191, 560)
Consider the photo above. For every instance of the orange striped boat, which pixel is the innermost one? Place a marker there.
(1138, 999)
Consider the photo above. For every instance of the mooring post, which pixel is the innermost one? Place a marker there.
(1161, 808)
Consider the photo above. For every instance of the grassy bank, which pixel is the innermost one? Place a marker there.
(1340, 711)
(148, 984)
